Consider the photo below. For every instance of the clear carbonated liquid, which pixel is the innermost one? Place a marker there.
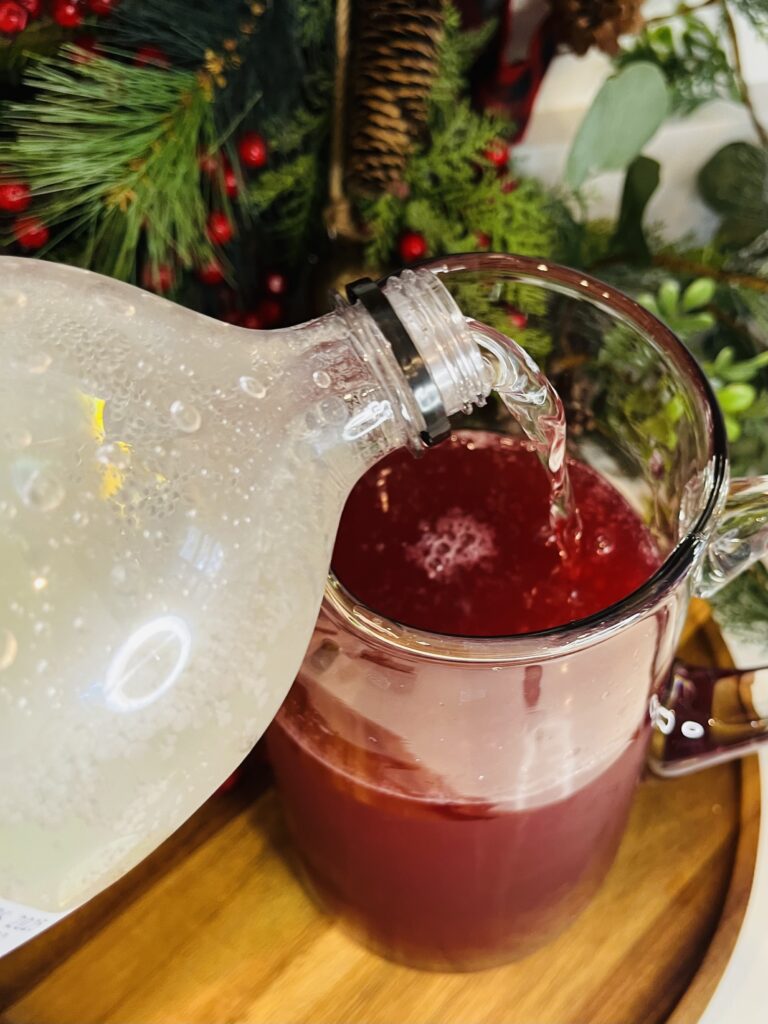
(165, 529)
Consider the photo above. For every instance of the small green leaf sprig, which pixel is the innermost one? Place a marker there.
(686, 314)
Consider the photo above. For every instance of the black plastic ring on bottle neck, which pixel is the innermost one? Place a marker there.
(415, 370)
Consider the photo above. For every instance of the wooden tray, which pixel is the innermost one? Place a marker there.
(214, 928)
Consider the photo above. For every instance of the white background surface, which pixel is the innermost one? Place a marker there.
(681, 147)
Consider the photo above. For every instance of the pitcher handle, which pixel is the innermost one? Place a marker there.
(710, 715)
(707, 716)
(740, 537)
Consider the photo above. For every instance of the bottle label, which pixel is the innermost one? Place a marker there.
(19, 923)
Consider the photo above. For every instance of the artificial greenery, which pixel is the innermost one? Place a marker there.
(743, 605)
(107, 147)
(460, 200)
(111, 143)
(690, 57)
(756, 12)
(112, 152)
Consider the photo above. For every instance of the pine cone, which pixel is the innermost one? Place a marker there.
(394, 63)
(581, 24)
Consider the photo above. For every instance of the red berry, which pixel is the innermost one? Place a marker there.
(89, 47)
(253, 321)
(497, 153)
(102, 7)
(14, 196)
(230, 182)
(158, 279)
(220, 230)
(482, 240)
(253, 151)
(31, 232)
(509, 185)
(270, 311)
(277, 284)
(32, 7)
(412, 246)
(516, 317)
(151, 56)
(211, 273)
(67, 13)
(208, 163)
(13, 18)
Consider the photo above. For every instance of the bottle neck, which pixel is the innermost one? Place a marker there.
(452, 374)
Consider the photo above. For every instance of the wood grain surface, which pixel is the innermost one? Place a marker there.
(214, 928)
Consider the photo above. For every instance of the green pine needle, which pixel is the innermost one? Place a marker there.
(111, 153)
(286, 199)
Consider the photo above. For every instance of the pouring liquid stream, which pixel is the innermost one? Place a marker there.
(533, 402)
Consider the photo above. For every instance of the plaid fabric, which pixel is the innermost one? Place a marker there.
(524, 46)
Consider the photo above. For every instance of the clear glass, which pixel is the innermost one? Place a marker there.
(456, 800)
(170, 488)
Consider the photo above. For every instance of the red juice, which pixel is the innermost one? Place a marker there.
(462, 541)
(470, 852)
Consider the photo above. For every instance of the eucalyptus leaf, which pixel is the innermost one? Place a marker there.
(624, 115)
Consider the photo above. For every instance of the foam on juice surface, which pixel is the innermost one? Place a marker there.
(456, 540)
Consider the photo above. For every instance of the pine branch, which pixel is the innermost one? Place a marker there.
(183, 31)
(458, 51)
(315, 16)
(111, 151)
(286, 198)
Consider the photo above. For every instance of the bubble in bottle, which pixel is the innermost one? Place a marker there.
(186, 417)
(8, 648)
(253, 387)
(41, 490)
(112, 454)
(322, 378)
(333, 410)
(125, 577)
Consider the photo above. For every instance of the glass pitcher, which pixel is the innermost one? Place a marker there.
(458, 800)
